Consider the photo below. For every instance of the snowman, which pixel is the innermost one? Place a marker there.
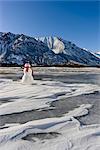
(27, 77)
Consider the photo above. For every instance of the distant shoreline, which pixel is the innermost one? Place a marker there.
(70, 66)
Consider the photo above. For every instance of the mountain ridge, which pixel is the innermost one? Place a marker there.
(43, 51)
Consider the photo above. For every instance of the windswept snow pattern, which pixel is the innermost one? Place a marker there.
(69, 133)
(39, 95)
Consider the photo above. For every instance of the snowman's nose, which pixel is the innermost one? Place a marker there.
(26, 69)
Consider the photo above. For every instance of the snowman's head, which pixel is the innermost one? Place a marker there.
(27, 66)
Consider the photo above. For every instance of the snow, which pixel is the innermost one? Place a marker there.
(72, 136)
(69, 51)
(39, 95)
(53, 43)
(97, 54)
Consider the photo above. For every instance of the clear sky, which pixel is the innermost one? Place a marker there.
(76, 21)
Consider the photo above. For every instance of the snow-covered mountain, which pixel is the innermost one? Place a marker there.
(18, 49)
(70, 51)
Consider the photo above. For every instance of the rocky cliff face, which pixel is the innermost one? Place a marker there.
(18, 49)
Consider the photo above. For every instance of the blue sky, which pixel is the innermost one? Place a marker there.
(76, 21)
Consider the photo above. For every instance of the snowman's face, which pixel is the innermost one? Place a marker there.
(26, 69)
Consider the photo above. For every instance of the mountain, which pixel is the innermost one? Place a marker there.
(70, 51)
(16, 49)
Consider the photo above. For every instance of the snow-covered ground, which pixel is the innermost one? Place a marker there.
(58, 133)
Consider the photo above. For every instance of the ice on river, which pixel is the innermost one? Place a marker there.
(39, 95)
(69, 134)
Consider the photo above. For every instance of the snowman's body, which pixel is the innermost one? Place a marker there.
(27, 77)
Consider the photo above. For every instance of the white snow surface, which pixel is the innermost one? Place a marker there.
(71, 135)
(38, 95)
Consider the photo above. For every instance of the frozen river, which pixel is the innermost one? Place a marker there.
(68, 97)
